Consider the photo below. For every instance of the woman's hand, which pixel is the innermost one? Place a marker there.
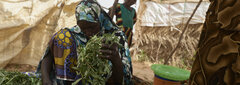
(110, 52)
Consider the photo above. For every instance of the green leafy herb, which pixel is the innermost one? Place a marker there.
(93, 70)
(17, 78)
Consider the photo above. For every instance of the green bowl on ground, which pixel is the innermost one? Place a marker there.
(170, 72)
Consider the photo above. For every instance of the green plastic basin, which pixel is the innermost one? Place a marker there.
(170, 72)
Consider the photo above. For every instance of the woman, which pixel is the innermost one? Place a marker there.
(125, 17)
(61, 54)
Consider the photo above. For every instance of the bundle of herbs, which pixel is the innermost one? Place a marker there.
(93, 70)
(17, 78)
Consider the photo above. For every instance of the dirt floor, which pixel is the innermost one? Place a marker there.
(143, 75)
(143, 71)
(21, 68)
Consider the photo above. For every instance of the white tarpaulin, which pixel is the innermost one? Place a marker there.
(163, 14)
(26, 26)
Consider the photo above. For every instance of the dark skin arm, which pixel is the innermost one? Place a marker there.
(46, 68)
(111, 53)
(112, 10)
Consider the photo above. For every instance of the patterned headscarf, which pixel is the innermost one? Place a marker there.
(88, 11)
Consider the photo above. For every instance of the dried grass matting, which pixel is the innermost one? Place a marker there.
(156, 43)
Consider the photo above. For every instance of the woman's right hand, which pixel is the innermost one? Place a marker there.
(110, 52)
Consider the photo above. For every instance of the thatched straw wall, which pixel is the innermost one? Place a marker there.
(156, 43)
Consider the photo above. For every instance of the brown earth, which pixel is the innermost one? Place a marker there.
(21, 68)
(143, 71)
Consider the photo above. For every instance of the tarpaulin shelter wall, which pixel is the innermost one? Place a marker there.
(26, 26)
(158, 28)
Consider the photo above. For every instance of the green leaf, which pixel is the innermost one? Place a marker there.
(76, 82)
(89, 65)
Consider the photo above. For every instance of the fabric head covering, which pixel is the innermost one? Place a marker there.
(88, 11)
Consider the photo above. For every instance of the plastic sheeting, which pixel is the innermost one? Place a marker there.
(26, 26)
(163, 14)
(175, 1)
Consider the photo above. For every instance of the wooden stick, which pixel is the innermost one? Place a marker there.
(167, 59)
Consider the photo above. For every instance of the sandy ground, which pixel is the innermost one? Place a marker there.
(21, 68)
(143, 71)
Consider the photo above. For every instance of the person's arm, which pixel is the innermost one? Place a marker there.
(135, 17)
(117, 70)
(46, 68)
(112, 53)
(47, 65)
(112, 10)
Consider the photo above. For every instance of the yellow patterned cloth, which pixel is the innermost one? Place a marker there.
(64, 51)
